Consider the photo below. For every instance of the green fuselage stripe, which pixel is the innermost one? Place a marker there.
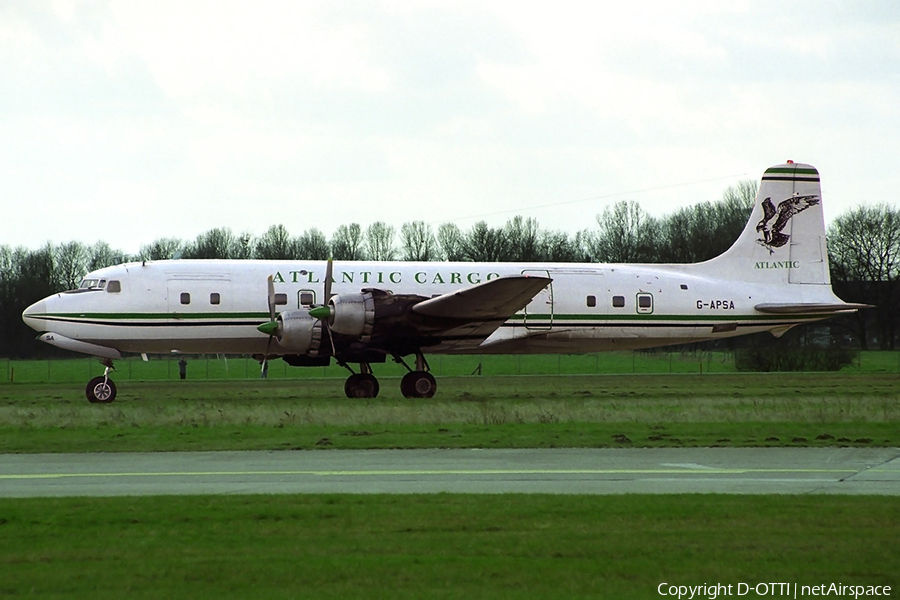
(199, 318)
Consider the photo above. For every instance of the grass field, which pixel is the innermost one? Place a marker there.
(443, 545)
(439, 546)
(232, 368)
(514, 411)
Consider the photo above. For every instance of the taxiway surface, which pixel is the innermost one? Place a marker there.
(558, 471)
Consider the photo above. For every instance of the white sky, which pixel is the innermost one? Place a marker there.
(126, 121)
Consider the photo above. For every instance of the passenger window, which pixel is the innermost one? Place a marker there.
(591, 301)
(215, 298)
(114, 286)
(306, 298)
(618, 301)
(185, 298)
(280, 299)
(645, 303)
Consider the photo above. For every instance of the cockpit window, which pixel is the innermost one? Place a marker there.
(114, 286)
(92, 284)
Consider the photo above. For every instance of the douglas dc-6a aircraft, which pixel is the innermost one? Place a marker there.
(775, 276)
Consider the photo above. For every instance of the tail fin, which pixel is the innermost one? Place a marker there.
(784, 240)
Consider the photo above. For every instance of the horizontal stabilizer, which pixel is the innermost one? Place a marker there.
(809, 308)
(495, 299)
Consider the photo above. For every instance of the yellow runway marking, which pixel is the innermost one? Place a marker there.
(373, 473)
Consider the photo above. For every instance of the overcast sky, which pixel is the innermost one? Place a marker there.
(129, 121)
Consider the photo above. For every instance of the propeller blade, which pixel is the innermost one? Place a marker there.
(270, 328)
(324, 311)
(271, 289)
(265, 360)
(329, 271)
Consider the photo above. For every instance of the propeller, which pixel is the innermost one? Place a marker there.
(322, 313)
(271, 327)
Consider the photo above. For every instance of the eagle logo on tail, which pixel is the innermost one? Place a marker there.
(772, 236)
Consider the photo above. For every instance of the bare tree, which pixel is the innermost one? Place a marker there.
(347, 243)
(522, 239)
(276, 243)
(312, 245)
(71, 261)
(215, 243)
(627, 234)
(864, 253)
(418, 241)
(162, 249)
(451, 242)
(555, 246)
(380, 241)
(486, 244)
(242, 247)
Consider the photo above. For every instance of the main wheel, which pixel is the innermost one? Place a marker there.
(361, 385)
(100, 390)
(418, 384)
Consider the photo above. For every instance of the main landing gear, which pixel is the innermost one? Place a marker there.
(102, 390)
(362, 384)
(418, 383)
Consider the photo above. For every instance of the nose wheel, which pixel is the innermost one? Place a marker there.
(101, 390)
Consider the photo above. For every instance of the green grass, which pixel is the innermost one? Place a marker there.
(438, 546)
(500, 412)
(232, 368)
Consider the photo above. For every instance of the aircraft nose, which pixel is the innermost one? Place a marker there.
(33, 315)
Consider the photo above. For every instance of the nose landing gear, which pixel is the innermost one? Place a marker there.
(102, 390)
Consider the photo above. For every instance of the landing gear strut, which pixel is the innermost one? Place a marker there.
(102, 390)
(419, 383)
(362, 384)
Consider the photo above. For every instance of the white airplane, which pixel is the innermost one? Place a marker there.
(774, 277)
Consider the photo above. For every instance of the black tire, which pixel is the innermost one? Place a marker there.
(406, 385)
(100, 390)
(418, 384)
(361, 385)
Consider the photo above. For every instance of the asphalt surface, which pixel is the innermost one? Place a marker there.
(558, 471)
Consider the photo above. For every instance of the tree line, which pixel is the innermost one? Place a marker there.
(864, 250)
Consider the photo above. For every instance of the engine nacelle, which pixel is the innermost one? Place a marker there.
(299, 332)
(353, 315)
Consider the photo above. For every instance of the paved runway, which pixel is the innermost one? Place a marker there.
(559, 471)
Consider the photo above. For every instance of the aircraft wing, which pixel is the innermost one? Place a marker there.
(472, 314)
(495, 299)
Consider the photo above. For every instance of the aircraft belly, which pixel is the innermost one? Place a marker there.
(222, 345)
(224, 339)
